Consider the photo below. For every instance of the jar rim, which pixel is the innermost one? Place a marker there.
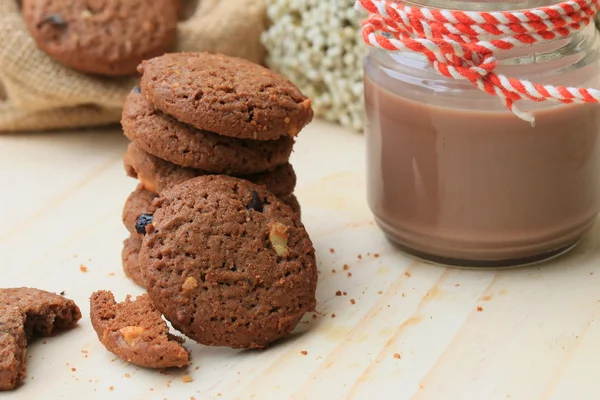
(481, 5)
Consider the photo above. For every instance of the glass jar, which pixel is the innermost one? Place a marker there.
(455, 178)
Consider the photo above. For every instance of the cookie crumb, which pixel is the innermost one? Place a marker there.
(457, 285)
(486, 298)
(332, 315)
(304, 352)
(83, 268)
(197, 368)
(359, 256)
(376, 255)
(163, 372)
(407, 274)
(397, 356)
(73, 369)
(314, 316)
(352, 301)
(111, 388)
(44, 342)
(380, 292)
(403, 295)
(111, 274)
(62, 293)
(338, 293)
(127, 376)
(186, 379)
(349, 274)
(333, 270)
(479, 309)
(346, 267)
(344, 293)
(332, 250)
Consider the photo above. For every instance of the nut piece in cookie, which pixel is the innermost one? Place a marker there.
(135, 331)
(25, 312)
(228, 263)
(226, 95)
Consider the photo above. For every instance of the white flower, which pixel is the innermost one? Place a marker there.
(317, 45)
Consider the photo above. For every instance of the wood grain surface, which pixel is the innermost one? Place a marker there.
(401, 329)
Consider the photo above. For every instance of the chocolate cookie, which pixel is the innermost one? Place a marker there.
(227, 95)
(45, 311)
(135, 331)
(139, 202)
(23, 313)
(129, 255)
(228, 263)
(292, 201)
(105, 37)
(181, 144)
(13, 346)
(157, 174)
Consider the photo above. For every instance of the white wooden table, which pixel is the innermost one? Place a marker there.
(402, 329)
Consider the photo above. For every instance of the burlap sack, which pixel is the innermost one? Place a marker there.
(37, 93)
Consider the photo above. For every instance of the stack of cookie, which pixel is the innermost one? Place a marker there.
(204, 114)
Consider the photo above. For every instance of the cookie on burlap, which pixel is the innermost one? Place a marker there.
(228, 263)
(157, 174)
(165, 137)
(25, 312)
(135, 331)
(105, 37)
(139, 202)
(129, 256)
(13, 346)
(226, 95)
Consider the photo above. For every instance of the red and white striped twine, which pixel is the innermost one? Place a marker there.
(451, 42)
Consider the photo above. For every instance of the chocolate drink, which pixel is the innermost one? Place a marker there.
(465, 186)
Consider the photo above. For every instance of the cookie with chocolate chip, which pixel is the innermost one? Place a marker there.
(228, 263)
(135, 331)
(163, 136)
(226, 95)
(139, 202)
(104, 37)
(158, 175)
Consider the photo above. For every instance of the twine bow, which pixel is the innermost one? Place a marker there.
(451, 41)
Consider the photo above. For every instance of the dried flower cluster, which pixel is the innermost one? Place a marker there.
(317, 45)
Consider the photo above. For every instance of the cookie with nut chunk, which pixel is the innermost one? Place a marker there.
(228, 263)
(135, 331)
(103, 37)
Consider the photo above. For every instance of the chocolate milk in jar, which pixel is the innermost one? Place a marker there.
(455, 177)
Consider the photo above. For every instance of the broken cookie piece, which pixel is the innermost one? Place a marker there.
(135, 331)
(13, 346)
(25, 312)
(45, 311)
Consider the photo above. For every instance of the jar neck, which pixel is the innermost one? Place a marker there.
(547, 58)
(483, 5)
